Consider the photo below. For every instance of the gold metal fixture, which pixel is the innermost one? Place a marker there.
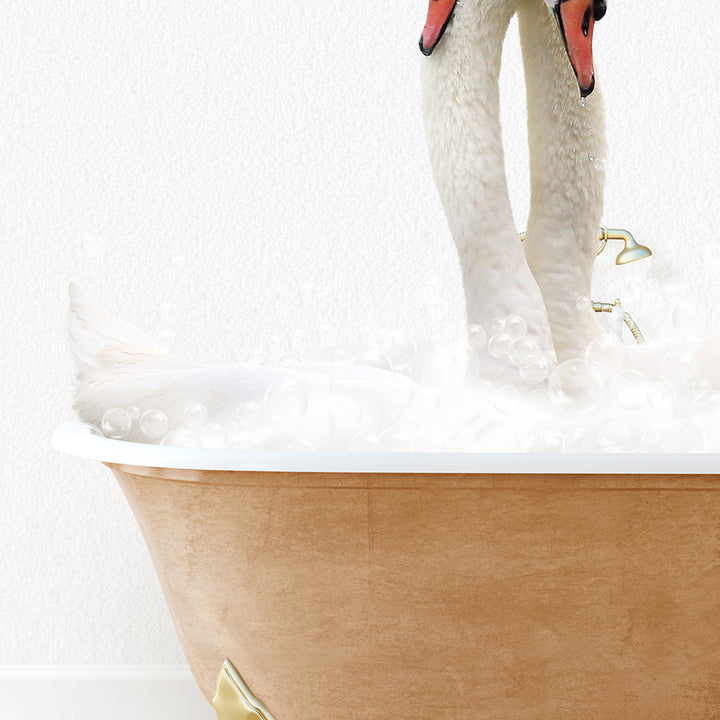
(233, 699)
(632, 325)
(632, 250)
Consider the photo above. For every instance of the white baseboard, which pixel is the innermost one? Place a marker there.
(107, 692)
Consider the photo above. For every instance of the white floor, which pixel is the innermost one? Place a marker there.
(107, 693)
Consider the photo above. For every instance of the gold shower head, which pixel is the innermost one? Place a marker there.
(632, 250)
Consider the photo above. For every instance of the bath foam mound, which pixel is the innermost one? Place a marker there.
(392, 392)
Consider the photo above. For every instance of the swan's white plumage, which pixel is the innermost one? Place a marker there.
(462, 120)
(119, 366)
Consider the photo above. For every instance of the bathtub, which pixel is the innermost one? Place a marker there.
(358, 586)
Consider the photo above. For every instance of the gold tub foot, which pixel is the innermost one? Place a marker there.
(233, 699)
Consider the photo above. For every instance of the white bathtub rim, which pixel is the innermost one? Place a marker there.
(74, 438)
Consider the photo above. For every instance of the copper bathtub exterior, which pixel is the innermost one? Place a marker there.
(359, 596)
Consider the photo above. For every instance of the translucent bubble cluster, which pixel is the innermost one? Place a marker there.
(492, 390)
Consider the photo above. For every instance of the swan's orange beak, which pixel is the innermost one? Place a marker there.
(577, 22)
(438, 17)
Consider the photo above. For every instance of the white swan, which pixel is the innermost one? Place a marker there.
(461, 107)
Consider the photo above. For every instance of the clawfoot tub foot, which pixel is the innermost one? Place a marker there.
(233, 699)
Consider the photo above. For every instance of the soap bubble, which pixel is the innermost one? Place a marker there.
(285, 400)
(399, 349)
(249, 414)
(702, 387)
(515, 327)
(181, 437)
(506, 400)
(91, 429)
(606, 354)
(536, 404)
(425, 401)
(134, 412)
(477, 337)
(534, 369)
(684, 436)
(613, 436)
(661, 395)
(396, 440)
(579, 440)
(498, 436)
(653, 438)
(347, 410)
(196, 416)
(214, 435)
(575, 387)
(427, 442)
(365, 441)
(498, 325)
(316, 426)
(116, 423)
(447, 426)
(499, 345)
(706, 408)
(679, 367)
(468, 403)
(545, 440)
(246, 441)
(449, 365)
(296, 444)
(629, 390)
(522, 349)
(154, 424)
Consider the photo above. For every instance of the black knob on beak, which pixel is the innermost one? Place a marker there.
(599, 9)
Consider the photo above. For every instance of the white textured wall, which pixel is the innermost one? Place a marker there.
(220, 155)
